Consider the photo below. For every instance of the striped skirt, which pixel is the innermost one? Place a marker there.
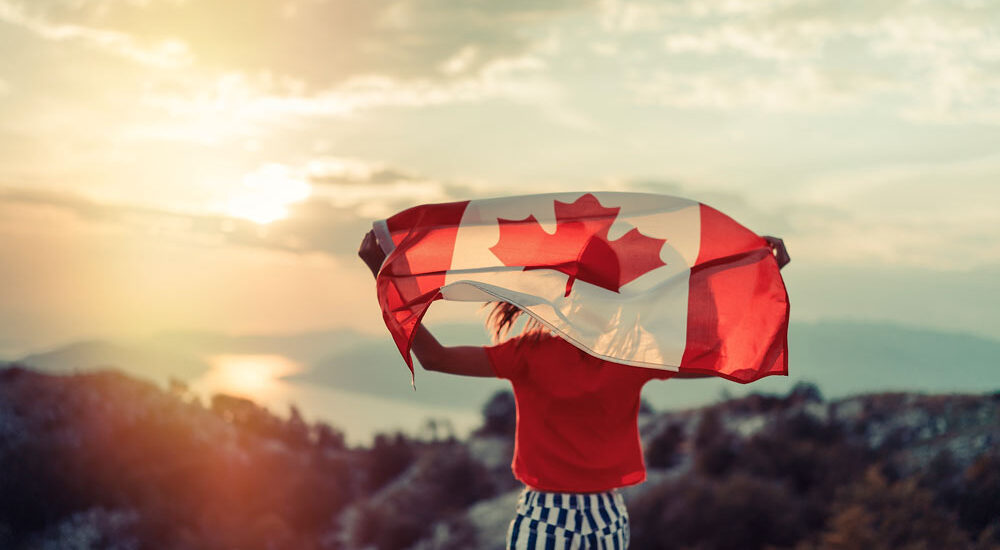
(557, 521)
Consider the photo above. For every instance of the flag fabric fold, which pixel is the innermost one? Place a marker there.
(640, 279)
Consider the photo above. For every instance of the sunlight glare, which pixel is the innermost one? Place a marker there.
(265, 194)
(252, 376)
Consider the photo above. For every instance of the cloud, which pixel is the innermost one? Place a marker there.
(267, 97)
(801, 40)
(461, 61)
(341, 199)
(342, 171)
(796, 89)
(620, 16)
(83, 208)
(239, 76)
(376, 191)
(898, 216)
(166, 52)
(66, 278)
(813, 57)
(322, 43)
(312, 226)
(903, 215)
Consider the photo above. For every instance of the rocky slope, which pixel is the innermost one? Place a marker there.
(102, 460)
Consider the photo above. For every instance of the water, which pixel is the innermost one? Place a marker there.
(360, 416)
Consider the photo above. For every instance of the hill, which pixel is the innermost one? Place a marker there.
(840, 357)
(102, 460)
(144, 361)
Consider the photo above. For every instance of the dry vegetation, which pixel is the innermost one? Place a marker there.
(103, 461)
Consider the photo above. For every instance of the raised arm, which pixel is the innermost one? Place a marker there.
(461, 360)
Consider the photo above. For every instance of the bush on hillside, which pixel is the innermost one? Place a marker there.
(714, 446)
(734, 513)
(389, 456)
(439, 486)
(663, 450)
(499, 415)
(878, 515)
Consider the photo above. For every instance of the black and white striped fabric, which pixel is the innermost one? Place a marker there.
(558, 521)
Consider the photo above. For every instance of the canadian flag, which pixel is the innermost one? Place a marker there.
(646, 280)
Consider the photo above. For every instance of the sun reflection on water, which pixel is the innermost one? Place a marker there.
(251, 376)
(262, 378)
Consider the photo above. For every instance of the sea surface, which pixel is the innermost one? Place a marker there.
(360, 416)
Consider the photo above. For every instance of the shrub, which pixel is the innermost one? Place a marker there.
(663, 449)
(811, 455)
(500, 414)
(440, 486)
(979, 498)
(388, 457)
(879, 515)
(738, 512)
(715, 448)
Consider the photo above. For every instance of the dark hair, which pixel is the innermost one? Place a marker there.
(504, 315)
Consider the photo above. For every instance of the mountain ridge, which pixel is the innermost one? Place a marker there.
(842, 357)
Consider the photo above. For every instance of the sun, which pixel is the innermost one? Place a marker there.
(265, 194)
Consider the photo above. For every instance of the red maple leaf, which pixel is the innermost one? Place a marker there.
(580, 247)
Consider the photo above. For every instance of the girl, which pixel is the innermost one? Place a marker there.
(577, 440)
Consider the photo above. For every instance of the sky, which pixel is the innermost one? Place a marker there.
(213, 164)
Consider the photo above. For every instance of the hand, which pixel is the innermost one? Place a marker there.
(371, 252)
(778, 248)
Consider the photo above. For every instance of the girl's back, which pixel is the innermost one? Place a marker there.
(576, 429)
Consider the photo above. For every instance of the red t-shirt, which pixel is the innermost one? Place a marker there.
(576, 416)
